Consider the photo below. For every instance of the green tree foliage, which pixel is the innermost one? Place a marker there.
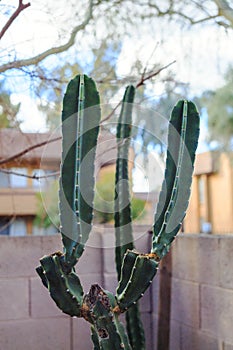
(104, 200)
(8, 111)
(47, 207)
(144, 123)
(219, 104)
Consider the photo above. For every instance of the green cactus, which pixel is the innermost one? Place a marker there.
(122, 214)
(173, 201)
(80, 126)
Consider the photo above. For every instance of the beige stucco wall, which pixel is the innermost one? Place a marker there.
(218, 204)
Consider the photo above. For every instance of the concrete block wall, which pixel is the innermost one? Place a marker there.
(202, 293)
(201, 309)
(29, 319)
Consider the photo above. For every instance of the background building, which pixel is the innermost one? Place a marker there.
(19, 194)
(211, 204)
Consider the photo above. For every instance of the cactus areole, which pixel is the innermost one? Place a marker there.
(80, 126)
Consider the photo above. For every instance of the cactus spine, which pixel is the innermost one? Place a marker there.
(80, 126)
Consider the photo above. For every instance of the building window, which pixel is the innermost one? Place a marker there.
(18, 227)
(44, 181)
(41, 231)
(13, 226)
(17, 181)
(4, 180)
(37, 184)
(4, 226)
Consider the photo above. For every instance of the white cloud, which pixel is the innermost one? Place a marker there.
(32, 119)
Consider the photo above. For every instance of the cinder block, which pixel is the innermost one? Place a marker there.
(142, 239)
(154, 318)
(14, 301)
(208, 259)
(142, 228)
(108, 244)
(145, 301)
(155, 293)
(91, 260)
(88, 279)
(81, 334)
(217, 312)
(42, 305)
(196, 258)
(185, 302)
(51, 244)
(184, 257)
(193, 339)
(42, 334)
(147, 324)
(110, 282)
(175, 336)
(226, 261)
(19, 256)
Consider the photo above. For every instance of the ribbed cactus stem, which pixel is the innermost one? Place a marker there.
(122, 216)
(80, 126)
(123, 219)
(173, 200)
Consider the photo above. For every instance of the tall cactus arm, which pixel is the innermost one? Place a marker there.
(173, 200)
(123, 226)
(122, 216)
(80, 126)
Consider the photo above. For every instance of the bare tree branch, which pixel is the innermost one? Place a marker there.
(144, 78)
(152, 75)
(26, 150)
(12, 219)
(55, 173)
(19, 9)
(54, 50)
(172, 12)
(225, 10)
(34, 177)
